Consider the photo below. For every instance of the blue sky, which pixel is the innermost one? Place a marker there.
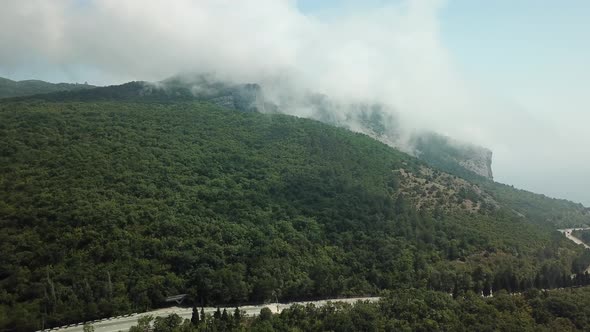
(511, 75)
(524, 39)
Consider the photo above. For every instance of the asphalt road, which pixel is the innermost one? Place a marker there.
(115, 324)
(568, 233)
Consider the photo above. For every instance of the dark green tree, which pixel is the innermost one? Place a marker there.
(195, 316)
(265, 314)
(224, 315)
(217, 314)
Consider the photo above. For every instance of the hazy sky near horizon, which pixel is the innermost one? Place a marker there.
(510, 75)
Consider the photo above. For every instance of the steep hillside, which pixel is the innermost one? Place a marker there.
(108, 207)
(466, 161)
(10, 88)
(376, 120)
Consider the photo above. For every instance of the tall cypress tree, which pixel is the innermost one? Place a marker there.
(195, 316)
(237, 316)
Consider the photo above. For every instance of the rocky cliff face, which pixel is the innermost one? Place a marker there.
(451, 155)
(479, 161)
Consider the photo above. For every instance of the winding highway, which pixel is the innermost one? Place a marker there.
(568, 233)
(123, 323)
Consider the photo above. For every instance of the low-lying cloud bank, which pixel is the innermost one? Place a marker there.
(390, 53)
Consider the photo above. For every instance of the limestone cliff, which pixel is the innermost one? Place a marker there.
(449, 154)
(479, 161)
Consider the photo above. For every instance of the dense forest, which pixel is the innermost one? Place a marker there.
(404, 310)
(108, 207)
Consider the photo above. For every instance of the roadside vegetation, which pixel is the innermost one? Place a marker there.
(405, 310)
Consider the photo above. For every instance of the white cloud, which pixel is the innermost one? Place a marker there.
(390, 53)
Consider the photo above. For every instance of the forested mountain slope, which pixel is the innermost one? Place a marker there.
(108, 207)
(438, 151)
(10, 88)
(374, 119)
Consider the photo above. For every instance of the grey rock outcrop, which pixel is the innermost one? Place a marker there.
(479, 161)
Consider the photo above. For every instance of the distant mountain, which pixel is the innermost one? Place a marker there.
(10, 88)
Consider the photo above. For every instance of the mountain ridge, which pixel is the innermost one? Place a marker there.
(376, 120)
